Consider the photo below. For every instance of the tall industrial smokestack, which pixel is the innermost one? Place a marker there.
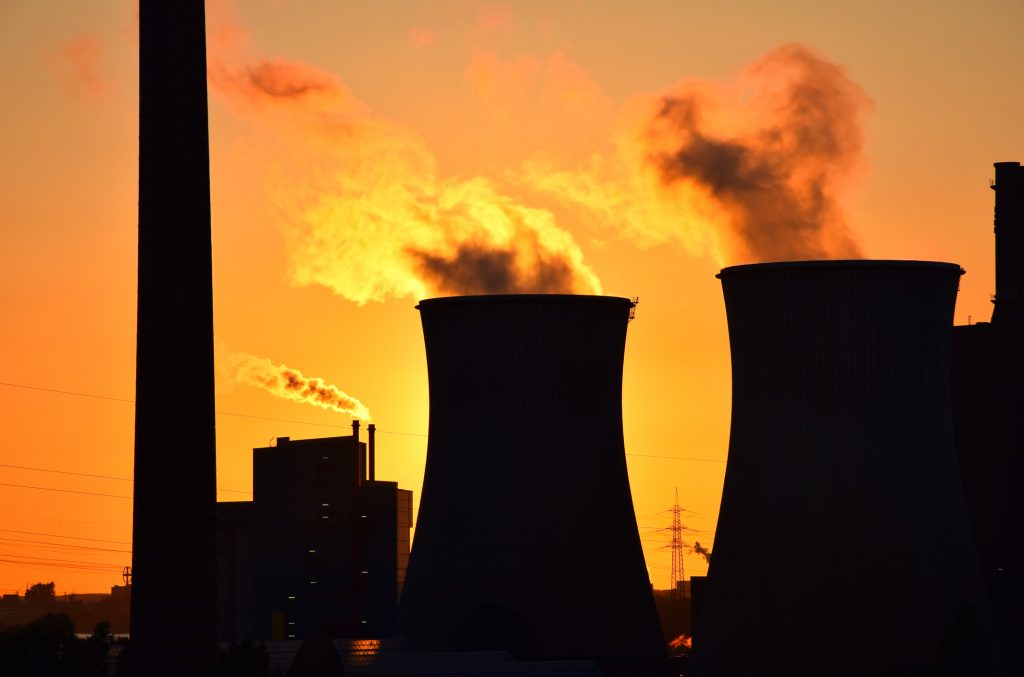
(526, 538)
(174, 566)
(371, 431)
(1009, 230)
(842, 511)
(359, 452)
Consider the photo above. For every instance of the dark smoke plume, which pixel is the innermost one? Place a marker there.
(289, 80)
(291, 384)
(775, 174)
(476, 269)
(701, 550)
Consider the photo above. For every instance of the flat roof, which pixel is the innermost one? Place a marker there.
(512, 298)
(841, 263)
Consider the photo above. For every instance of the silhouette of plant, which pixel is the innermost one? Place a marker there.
(48, 647)
(41, 593)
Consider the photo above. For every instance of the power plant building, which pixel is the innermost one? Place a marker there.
(526, 508)
(988, 376)
(322, 548)
(843, 544)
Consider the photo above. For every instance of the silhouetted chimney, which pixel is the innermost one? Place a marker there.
(1009, 231)
(174, 552)
(372, 430)
(359, 454)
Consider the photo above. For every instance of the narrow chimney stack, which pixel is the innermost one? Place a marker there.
(1009, 232)
(359, 453)
(372, 431)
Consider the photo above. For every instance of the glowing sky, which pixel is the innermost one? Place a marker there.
(346, 135)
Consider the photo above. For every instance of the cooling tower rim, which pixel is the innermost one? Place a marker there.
(841, 264)
(525, 298)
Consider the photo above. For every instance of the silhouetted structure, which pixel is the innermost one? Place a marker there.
(321, 550)
(988, 374)
(174, 597)
(1009, 230)
(85, 610)
(526, 539)
(843, 544)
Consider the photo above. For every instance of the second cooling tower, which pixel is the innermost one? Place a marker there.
(843, 545)
(526, 538)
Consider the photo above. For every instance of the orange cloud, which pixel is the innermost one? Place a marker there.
(364, 211)
(79, 66)
(422, 37)
(749, 170)
(499, 82)
(544, 92)
(491, 20)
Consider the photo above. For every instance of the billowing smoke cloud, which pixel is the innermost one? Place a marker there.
(483, 270)
(745, 171)
(364, 211)
(701, 550)
(776, 175)
(290, 384)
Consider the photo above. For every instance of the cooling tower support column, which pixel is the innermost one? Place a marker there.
(526, 538)
(174, 554)
(843, 545)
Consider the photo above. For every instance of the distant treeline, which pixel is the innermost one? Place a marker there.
(84, 611)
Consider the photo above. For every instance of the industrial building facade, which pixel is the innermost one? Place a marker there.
(988, 375)
(321, 549)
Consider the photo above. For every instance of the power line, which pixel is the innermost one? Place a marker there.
(66, 472)
(222, 413)
(62, 545)
(314, 423)
(63, 564)
(77, 538)
(285, 420)
(62, 520)
(395, 432)
(64, 392)
(66, 491)
(57, 560)
(102, 477)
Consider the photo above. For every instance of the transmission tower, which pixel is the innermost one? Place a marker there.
(677, 549)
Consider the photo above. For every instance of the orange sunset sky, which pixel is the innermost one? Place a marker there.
(345, 133)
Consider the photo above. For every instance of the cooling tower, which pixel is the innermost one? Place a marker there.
(174, 554)
(526, 538)
(843, 544)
